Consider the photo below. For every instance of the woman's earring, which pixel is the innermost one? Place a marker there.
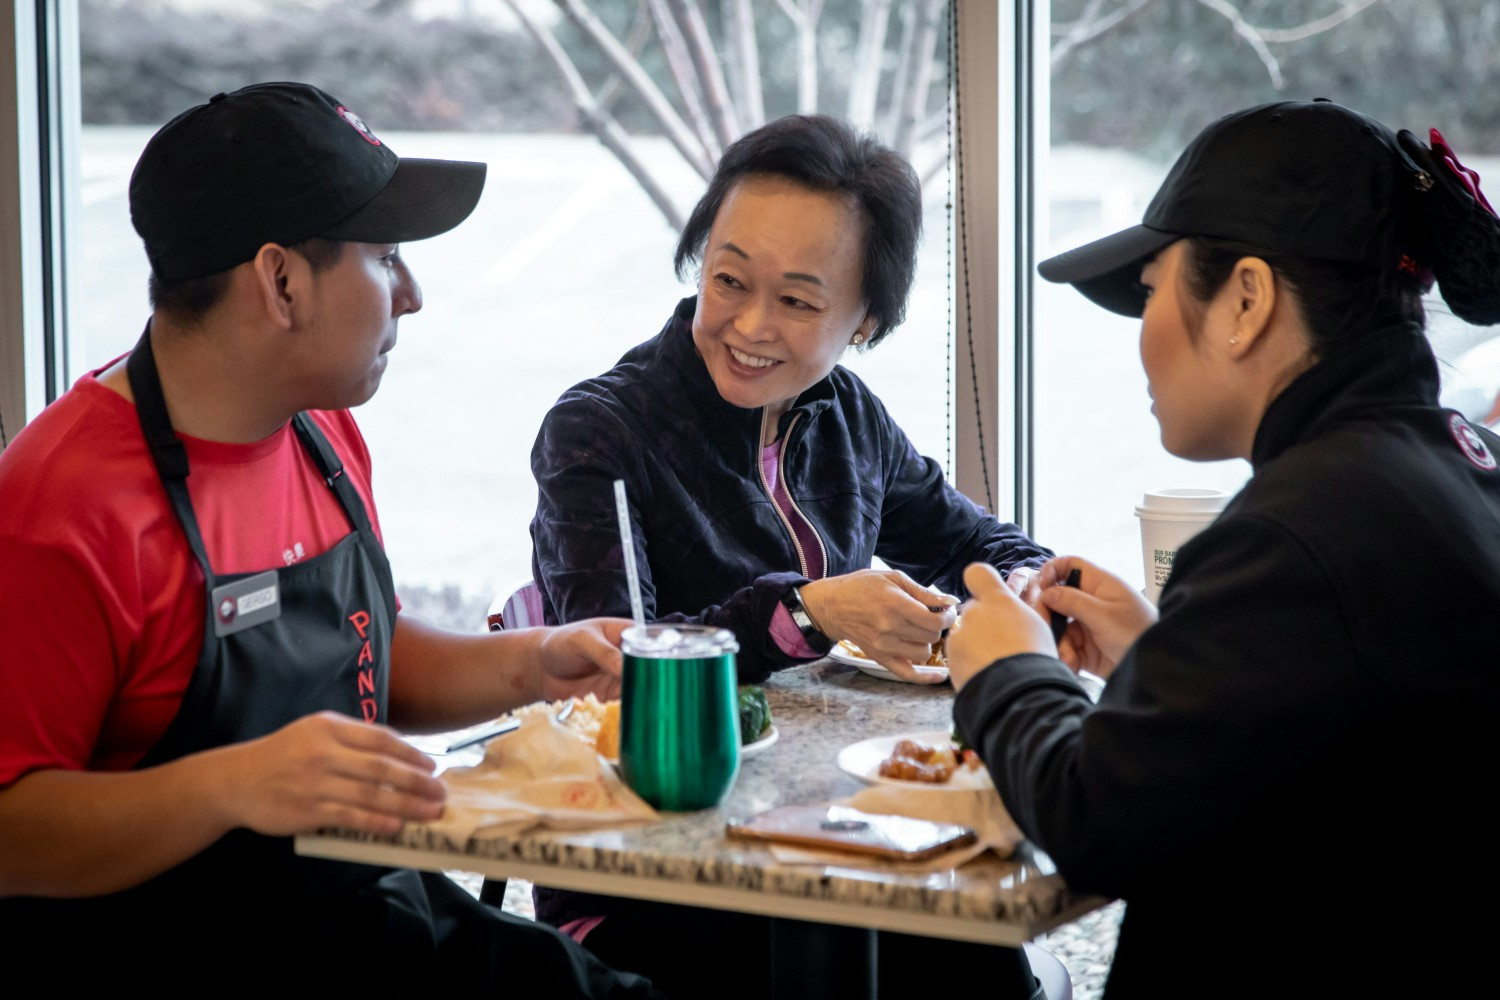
(1234, 341)
(859, 338)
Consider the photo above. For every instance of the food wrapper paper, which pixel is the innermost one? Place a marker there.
(541, 775)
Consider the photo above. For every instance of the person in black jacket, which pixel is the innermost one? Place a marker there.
(762, 478)
(1294, 756)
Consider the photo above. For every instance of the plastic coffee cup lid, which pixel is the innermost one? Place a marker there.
(1182, 503)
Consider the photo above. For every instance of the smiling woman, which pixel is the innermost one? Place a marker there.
(780, 297)
(763, 478)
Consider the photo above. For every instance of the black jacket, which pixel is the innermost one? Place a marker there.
(710, 546)
(1294, 762)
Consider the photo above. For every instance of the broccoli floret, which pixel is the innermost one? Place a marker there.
(755, 713)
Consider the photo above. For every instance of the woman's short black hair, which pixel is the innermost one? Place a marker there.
(824, 154)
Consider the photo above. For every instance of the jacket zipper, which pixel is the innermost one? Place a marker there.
(771, 495)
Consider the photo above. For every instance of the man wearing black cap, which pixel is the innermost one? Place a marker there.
(202, 642)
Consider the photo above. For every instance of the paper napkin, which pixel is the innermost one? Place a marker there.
(541, 775)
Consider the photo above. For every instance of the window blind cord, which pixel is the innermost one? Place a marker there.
(963, 244)
(949, 456)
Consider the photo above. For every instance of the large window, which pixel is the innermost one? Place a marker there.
(566, 263)
(1131, 83)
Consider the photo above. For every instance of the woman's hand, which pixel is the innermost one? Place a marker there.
(1108, 614)
(887, 614)
(996, 623)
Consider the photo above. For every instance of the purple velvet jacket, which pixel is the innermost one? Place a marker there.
(710, 547)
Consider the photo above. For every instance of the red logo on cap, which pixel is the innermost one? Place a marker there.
(1471, 444)
(359, 125)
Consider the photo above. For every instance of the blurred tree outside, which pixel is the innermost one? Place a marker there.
(698, 72)
(1147, 75)
(143, 61)
(682, 77)
(1143, 75)
(708, 73)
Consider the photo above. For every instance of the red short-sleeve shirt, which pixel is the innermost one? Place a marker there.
(101, 600)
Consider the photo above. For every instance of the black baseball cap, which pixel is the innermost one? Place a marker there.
(281, 163)
(1305, 178)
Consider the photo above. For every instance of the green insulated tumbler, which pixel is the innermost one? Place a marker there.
(679, 715)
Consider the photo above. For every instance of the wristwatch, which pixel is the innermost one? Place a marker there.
(816, 640)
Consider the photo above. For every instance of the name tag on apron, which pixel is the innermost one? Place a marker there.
(246, 603)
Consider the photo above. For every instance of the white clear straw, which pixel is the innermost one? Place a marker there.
(627, 544)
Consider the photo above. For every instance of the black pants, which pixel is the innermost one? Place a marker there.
(690, 953)
(408, 934)
(480, 951)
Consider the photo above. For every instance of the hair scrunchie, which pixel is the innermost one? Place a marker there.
(1455, 231)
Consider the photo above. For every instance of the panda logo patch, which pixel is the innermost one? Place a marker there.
(1471, 444)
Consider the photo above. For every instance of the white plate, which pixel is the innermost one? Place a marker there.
(862, 761)
(751, 749)
(874, 669)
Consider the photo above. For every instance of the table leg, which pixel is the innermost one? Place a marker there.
(811, 961)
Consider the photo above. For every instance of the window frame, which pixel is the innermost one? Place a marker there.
(997, 90)
(998, 96)
(39, 122)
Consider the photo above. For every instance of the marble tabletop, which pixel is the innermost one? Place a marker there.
(818, 709)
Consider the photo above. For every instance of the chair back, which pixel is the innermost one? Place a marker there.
(518, 607)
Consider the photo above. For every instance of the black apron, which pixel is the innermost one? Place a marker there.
(247, 912)
(327, 649)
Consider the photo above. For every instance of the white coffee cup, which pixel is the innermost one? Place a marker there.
(1168, 519)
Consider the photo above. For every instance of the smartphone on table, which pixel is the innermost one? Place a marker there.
(900, 838)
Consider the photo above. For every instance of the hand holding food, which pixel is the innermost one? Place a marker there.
(995, 624)
(886, 614)
(1108, 614)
